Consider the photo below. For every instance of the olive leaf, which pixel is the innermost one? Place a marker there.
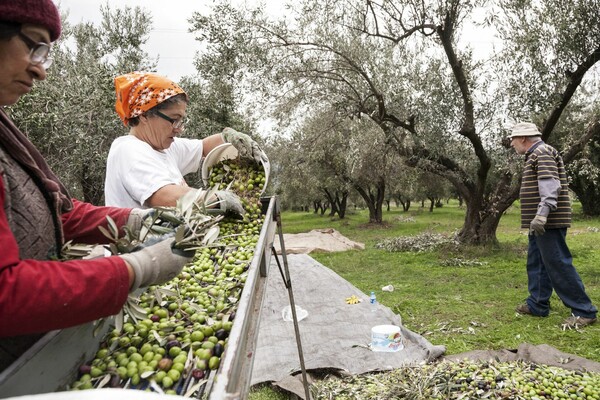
(158, 295)
(154, 386)
(194, 388)
(72, 251)
(196, 307)
(113, 345)
(119, 321)
(105, 379)
(113, 248)
(211, 235)
(144, 231)
(147, 374)
(134, 311)
(190, 362)
(167, 292)
(99, 324)
(157, 336)
(113, 226)
(107, 233)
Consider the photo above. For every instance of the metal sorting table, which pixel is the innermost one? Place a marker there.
(53, 362)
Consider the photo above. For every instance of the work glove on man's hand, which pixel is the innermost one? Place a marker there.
(155, 264)
(536, 227)
(245, 145)
(137, 217)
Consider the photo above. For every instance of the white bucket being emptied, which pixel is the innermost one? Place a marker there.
(387, 338)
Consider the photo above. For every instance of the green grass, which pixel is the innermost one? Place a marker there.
(465, 307)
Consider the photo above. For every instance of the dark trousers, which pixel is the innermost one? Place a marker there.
(550, 266)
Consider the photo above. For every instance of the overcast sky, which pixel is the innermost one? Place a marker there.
(169, 38)
(175, 48)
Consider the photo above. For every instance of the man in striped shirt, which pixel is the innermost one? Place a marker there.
(546, 212)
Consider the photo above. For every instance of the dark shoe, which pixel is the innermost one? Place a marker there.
(576, 322)
(523, 309)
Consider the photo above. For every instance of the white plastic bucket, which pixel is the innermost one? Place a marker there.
(226, 151)
(386, 338)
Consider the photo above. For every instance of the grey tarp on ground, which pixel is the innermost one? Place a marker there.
(330, 332)
(326, 239)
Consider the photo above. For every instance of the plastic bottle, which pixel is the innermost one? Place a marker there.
(373, 302)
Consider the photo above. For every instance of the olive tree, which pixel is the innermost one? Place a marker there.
(70, 116)
(352, 152)
(407, 66)
(295, 180)
(584, 173)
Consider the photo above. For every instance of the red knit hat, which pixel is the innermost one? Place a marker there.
(35, 12)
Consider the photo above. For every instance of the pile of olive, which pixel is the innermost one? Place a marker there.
(466, 380)
(179, 341)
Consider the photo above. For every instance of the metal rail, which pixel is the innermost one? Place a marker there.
(232, 382)
(233, 378)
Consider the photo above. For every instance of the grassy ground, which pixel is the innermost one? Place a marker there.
(468, 306)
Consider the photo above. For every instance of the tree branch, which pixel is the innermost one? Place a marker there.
(592, 130)
(574, 82)
(467, 129)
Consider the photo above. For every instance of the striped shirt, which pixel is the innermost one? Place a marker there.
(544, 162)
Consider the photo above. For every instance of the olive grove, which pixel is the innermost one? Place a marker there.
(351, 152)
(70, 116)
(410, 68)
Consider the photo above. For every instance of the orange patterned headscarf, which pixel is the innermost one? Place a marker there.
(137, 92)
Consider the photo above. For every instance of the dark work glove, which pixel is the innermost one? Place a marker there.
(536, 227)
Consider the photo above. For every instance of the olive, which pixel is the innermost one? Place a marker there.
(115, 381)
(165, 364)
(173, 343)
(197, 373)
(221, 334)
(85, 369)
(218, 349)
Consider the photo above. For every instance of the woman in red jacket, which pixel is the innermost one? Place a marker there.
(37, 215)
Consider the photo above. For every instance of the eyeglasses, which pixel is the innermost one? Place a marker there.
(176, 123)
(38, 54)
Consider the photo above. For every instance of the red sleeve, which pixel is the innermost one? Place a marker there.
(81, 223)
(39, 296)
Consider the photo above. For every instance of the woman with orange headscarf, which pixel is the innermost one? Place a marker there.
(146, 168)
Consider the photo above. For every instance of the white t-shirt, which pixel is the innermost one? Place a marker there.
(134, 170)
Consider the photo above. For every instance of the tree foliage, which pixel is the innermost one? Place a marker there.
(70, 116)
(409, 67)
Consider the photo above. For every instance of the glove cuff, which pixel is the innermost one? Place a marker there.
(543, 210)
(137, 262)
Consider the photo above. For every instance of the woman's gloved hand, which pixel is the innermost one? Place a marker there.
(155, 264)
(137, 217)
(229, 202)
(244, 144)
